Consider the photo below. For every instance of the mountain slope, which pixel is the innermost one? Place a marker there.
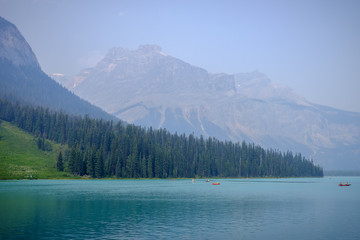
(14, 46)
(148, 87)
(21, 78)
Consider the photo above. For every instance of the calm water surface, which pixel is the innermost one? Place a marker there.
(308, 208)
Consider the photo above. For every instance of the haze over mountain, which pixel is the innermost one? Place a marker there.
(150, 88)
(21, 78)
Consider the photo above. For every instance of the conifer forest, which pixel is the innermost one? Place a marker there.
(99, 148)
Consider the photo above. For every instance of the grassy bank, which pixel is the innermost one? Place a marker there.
(20, 157)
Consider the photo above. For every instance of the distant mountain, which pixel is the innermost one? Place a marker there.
(150, 88)
(21, 78)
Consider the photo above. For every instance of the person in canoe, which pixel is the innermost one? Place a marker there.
(346, 184)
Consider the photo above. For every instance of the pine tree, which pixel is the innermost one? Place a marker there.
(99, 164)
(40, 143)
(75, 160)
(60, 163)
(118, 168)
(91, 160)
(72, 160)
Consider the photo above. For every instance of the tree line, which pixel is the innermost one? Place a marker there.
(100, 148)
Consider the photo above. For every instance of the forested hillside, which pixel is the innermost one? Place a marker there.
(101, 148)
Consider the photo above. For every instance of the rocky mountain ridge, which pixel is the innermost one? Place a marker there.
(150, 88)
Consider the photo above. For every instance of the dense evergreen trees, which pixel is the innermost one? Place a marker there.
(60, 163)
(101, 148)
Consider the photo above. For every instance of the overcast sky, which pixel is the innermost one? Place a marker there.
(311, 46)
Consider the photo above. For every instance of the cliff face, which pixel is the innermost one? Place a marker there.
(14, 47)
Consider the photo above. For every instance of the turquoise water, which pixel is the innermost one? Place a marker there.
(307, 208)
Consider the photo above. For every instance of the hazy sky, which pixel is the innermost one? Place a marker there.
(312, 46)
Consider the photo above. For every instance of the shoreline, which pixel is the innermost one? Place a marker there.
(170, 179)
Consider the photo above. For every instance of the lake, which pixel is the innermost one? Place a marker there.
(304, 208)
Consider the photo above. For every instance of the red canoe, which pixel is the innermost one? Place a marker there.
(215, 183)
(344, 185)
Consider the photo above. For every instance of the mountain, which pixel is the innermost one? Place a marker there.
(14, 46)
(21, 78)
(150, 88)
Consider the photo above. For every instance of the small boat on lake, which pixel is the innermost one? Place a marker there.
(207, 180)
(215, 183)
(344, 185)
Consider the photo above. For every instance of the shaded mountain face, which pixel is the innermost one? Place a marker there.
(21, 78)
(13, 46)
(149, 88)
